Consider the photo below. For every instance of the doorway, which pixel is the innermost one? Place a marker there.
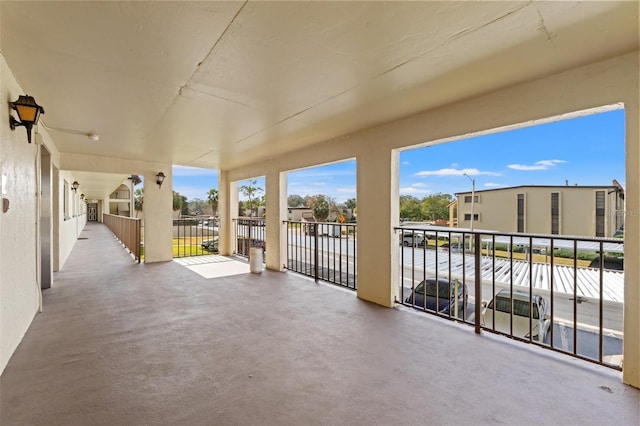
(45, 218)
(92, 212)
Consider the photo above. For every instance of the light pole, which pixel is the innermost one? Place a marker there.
(473, 199)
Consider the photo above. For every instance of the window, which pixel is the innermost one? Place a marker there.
(555, 213)
(467, 216)
(520, 307)
(467, 198)
(600, 203)
(520, 213)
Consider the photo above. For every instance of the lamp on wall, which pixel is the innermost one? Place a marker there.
(82, 196)
(28, 113)
(75, 186)
(159, 179)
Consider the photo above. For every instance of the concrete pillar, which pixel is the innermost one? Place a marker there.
(158, 217)
(227, 211)
(631, 344)
(377, 254)
(276, 205)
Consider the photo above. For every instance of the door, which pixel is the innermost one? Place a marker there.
(92, 212)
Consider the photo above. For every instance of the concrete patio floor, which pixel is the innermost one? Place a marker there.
(121, 343)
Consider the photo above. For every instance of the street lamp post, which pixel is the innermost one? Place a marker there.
(473, 199)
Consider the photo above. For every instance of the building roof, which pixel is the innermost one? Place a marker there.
(565, 187)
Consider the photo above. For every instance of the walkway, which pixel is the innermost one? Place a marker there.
(125, 344)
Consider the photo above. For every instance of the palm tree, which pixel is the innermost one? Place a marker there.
(251, 191)
(212, 198)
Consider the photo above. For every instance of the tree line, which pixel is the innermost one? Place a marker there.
(429, 208)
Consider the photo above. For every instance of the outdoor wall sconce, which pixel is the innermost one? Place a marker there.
(82, 196)
(159, 179)
(28, 113)
(75, 186)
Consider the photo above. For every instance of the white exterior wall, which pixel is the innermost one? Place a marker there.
(70, 226)
(606, 83)
(19, 227)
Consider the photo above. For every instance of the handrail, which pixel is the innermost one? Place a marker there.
(127, 230)
(576, 283)
(249, 232)
(325, 251)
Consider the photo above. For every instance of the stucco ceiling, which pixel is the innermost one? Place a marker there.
(98, 186)
(223, 84)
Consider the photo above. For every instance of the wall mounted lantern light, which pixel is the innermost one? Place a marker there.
(159, 179)
(82, 196)
(28, 113)
(75, 186)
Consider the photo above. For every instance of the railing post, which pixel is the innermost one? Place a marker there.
(247, 244)
(315, 251)
(478, 282)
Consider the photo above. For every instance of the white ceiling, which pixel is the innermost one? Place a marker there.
(222, 84)
(98, 186)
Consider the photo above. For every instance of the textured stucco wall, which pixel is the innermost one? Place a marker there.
(18, 280)
(19, 235)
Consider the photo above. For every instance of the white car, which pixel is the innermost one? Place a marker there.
(500, 306)
(412, 239)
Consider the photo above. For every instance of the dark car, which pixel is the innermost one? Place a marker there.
(444, 292)
(613, 263)
(210, 245)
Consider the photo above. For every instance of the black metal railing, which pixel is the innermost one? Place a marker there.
(324, 251)
(559, 292)
(249, 232)
(195, 236)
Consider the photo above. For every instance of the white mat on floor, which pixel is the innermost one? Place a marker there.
(214, 266)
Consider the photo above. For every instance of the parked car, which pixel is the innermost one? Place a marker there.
(446, 296)
(613, 263)
(210, 245)
(500, 306)
(453, 248)
(412, 239)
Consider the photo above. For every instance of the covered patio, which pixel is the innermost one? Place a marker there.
(129, 344)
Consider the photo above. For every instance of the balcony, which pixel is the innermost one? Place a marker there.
(127, 343)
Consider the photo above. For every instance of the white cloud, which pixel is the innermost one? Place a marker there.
(412, 190)
(419, 185)
(191, 192)
(455, 165)
(193, 171)
(455, 172)
(538, 165)
(492, 185)
(405, 163)
(346, 190)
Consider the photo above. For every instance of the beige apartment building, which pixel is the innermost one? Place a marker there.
(593, 211)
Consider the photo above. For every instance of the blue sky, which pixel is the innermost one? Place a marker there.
(587, 150)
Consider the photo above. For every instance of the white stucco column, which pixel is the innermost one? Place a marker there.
(276, 205)
(227, 211)
(377, 255)
(631, 344)
(158, 217)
